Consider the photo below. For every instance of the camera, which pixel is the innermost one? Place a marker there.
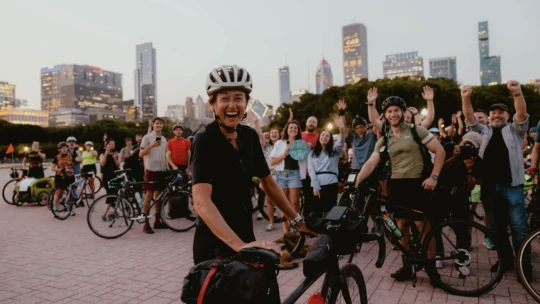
(468, 151)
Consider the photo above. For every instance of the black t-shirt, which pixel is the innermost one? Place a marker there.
(497, 160)
(215, 161)
(109, 168)
(291, 163)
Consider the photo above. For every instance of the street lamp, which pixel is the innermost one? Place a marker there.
(25, 149)
(329, 126)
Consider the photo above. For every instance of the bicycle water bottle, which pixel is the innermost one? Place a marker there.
(316, 298)
(139, 199)
(390, 223)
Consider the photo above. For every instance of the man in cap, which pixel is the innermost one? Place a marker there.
(502, 173)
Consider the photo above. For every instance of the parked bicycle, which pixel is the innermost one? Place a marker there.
(75, 195)
(112, 215)
(532, 284)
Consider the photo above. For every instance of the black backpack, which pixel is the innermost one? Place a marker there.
(178, 205)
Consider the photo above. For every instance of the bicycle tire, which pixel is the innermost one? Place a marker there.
(341, 285)
(42, 198)
(173, 223)
(519, 264)
(8, 197)
(64, 210)
(94, 216)
(474, 265)
(98, 184)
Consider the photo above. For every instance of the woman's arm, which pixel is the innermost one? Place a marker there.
(460, 123)
(257, 128)
(103, 158)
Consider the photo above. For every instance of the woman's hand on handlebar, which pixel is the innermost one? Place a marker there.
(272, 246)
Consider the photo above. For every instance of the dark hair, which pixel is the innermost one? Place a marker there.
(285, 135)
(329, 146)
(270, 131)
(480, 111)
(213, 97)
(109, 140)
(158, 119)
(128, 139)
(139, 135)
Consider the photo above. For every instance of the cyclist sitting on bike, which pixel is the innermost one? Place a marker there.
(407, 184)
(75, 154)
(89, 164)
(62, 165)
(35, 161)
(225, 156)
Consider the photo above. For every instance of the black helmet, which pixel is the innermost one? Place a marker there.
(359, 121)
(62, 144)
(177, 126)
(394, 101)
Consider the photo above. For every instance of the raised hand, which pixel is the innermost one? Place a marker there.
(338, 122)
(458, 113)
(428, 93)
(372, 95)
(341, 104)
(514, 86)
(466, 91)
(454, 119)
(291, 115)
(413, 110)
(440, 122)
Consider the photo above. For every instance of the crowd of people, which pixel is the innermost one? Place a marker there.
(438, 170)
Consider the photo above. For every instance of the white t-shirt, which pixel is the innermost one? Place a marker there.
(155, 160)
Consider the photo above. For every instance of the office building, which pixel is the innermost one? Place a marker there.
(296, 94)
(200, 109)
(73, 86)
(189, 108)
(21, 103)
(68, 117)
(443, 68)
(25, 116)
(323, 78)
(112, 115)
(146, 81)
(284, 85)
(355, 57)
(403, 65)
(7, 95)
(490, 66)
(175, 113)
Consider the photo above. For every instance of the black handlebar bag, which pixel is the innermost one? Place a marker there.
(231, 281)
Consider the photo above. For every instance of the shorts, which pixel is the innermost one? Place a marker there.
(289, 179)
(475, 194)
(63, 182)
(89, 168)
(406, 194)
(154, 176)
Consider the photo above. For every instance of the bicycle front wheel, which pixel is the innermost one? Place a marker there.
(177, 211)
(8, 191)
(533, 242)
(110, 216)
(466, 270)
(351, 288)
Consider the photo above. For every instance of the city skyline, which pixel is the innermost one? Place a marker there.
(307, 31)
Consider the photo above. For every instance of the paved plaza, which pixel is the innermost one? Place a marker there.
(44, 260)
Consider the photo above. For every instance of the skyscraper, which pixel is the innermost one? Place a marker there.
(80, 87)
(490, 66)
(355, 60)
(145, 80)
(403, 64)
(200, 109)
(7, 95)
(284, 85)
(189, 108)
(443, 68)
(323, 78)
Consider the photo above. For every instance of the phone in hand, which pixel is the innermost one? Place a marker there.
(158, 138)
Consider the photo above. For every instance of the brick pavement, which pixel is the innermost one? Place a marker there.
(44, 260)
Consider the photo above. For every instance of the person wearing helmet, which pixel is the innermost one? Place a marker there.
(410, 183)
(89, 157)
(225, 156)
(153, 151)
(75, 154)
(436, 133)
(179, 150)
(35, 159)
(62, 165)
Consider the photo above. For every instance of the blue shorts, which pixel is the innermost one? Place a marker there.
(289, 179)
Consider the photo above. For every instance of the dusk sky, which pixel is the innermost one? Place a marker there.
(192, 37)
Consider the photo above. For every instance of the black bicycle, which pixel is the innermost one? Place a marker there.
(533, 241)
(460, 242)
(112, 215)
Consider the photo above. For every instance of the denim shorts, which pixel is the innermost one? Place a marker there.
(289, 179)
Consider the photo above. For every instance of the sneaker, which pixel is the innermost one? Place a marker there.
(488, 243)
(270, 227)
(439, 263)
(160, 225)
(148, 230)
(73, 213)
(505, 268)
(259, 216)
(81, 204)
(403, 274)
(104, 218)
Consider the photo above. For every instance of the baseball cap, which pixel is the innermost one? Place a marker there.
(474, 138)
(500, 106)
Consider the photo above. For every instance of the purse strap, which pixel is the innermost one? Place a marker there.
(209, 277)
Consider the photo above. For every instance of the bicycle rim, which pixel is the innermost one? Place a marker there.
(182, 219)
(465, 272)
(351, 288)
(8, 191)
(532, 240)
(111, 220)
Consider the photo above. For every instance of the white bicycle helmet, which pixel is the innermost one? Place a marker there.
(228, 77)
(71, 138)
(89, 143)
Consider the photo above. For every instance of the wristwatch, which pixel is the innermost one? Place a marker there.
(370, 104)
(435, 176)
(297, 219)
